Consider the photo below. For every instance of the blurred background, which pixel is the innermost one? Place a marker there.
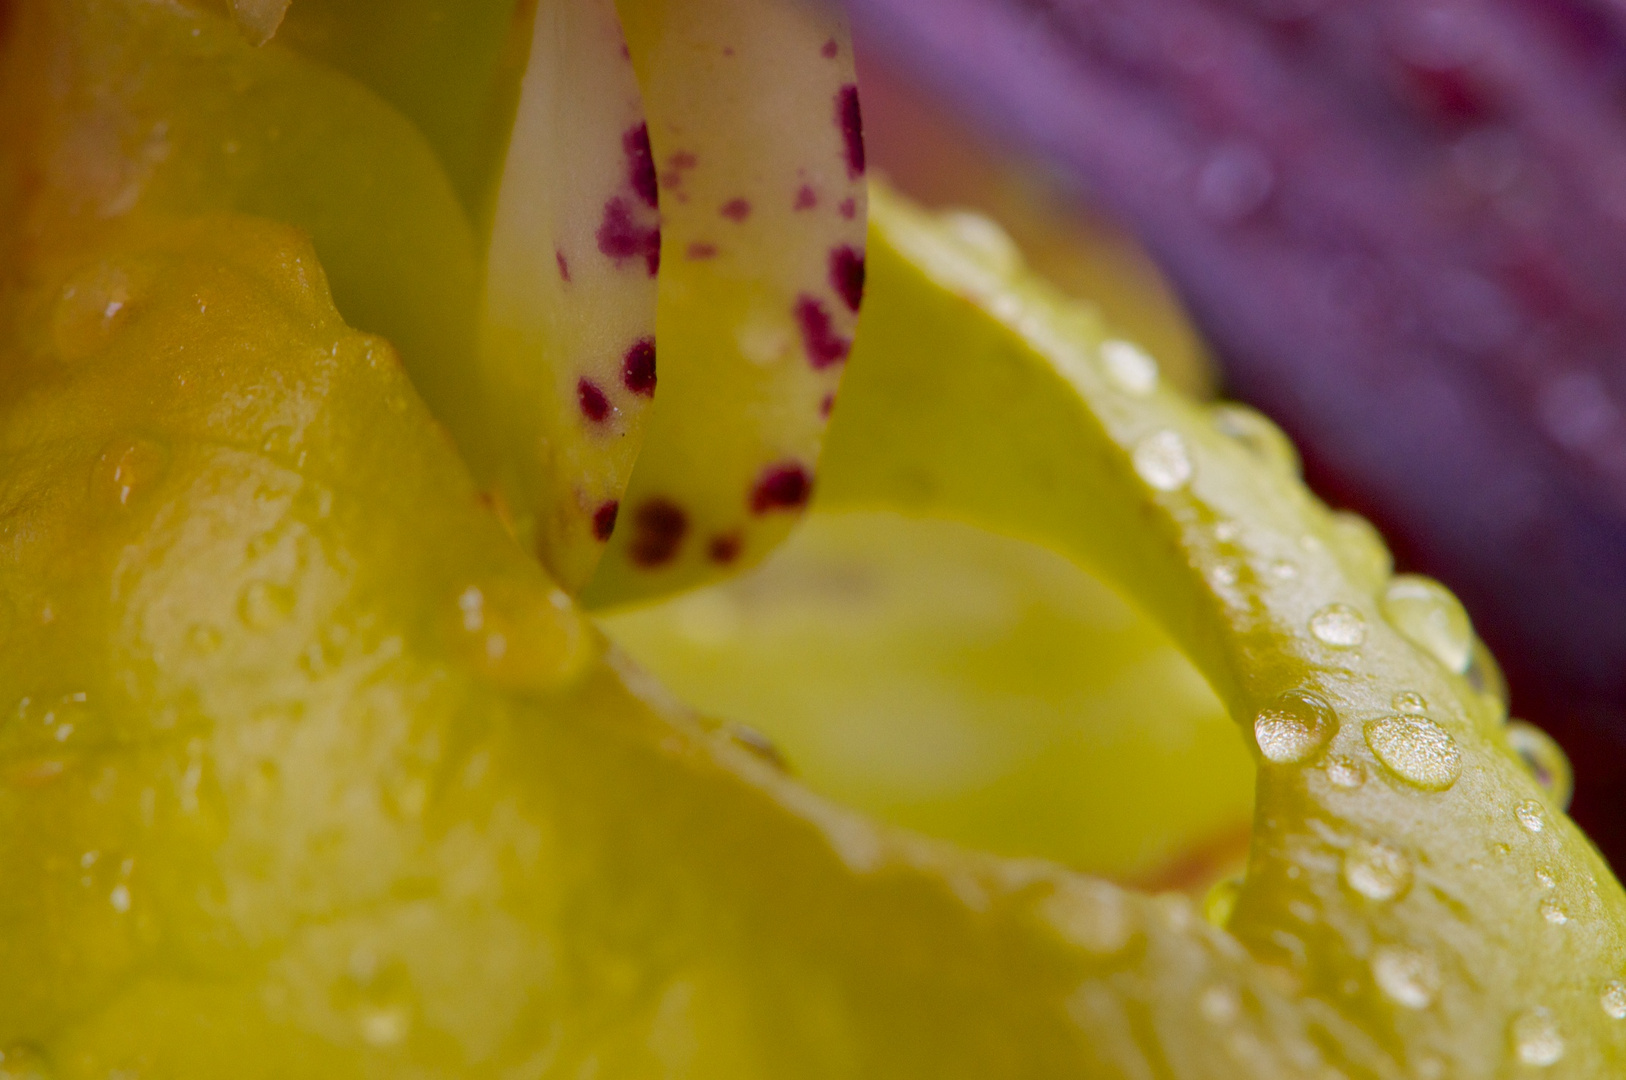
(1396, 226)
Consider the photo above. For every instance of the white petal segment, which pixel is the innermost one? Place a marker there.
(754, 120)
(568, 335)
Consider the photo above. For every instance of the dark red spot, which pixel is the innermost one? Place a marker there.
(604, 520)
(847, 275)
(807, 198)
(824, 346)
(728, 50)
(1454, 95)
(827, 405)
(851, 123)
(641, 164)
(595, 406)
(661, 526)
(725, 549)
(564, 264)
(781, 487)
(638, 368)
(700, 250)
(736, 209)
(676, 165)
(621, 237)
(849, 208)
(830, 49)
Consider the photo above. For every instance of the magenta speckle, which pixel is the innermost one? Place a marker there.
(661, 526)
(564, 265)
(781, 487)
(849, 208)
(700, 251)
(638, 368)
(725, 549)
(604, 520)
(806, 198)
(621, 237)
(594, 405)
(851, 122)
(824, 346)
(831, 50)
(736, 209)
(847, 275)
(641, 164)
(827, 405)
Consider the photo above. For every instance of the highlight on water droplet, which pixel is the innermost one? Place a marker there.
(1092, 915)
(523, 634)
(1346, 773)
(1536, 1038)
(1416, 749)
(1431, 617)
(984, 240)
(90, 310)
(1553, 912)
(1128, 367)
(1409, 977)
(1613, 999)
(1162, 460)
(1258, 435)
(1338, 625)
(128, 468)
(1376, 871)
(1545, 760)
(1294, 727)
(1530, 815)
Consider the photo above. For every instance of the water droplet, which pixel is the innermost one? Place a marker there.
(1258, 435)
(90, 310)
(1416, 749)
(383, 1025)
(129, 468)
(1219, 1004)
(984, 239)
(1225, 574)
(749, 738)
(1128, 367)
(1376, 871)
(521, 636)
(1089, 914)
(1544, 878)
(1545, 760)
(1407, 976)
(1360, 543)
(1409, 701)
(120, 898)
(1554, 912)
(1530, 815)
(1431, 618)
(1294, 727)
(1346, 773)
(1613, 999)
(1227, 531)
(1536, 1038)
(1484, 674)
(1338, 625)
(1162, 460)
(1221, 900)
(1283, 570)
(263, 605)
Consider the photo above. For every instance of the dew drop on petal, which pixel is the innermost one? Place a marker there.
(1554, 912)
(1221, 900)
(128, 469)
(1409, 701)
(1162, 460)
(1089, 914)
(1376, 871)
(1407, 976)
(1613, 999)
(1544, 759)
(1338, 625)
(1346, 773)
(1536, 1038)
(1360, 542)
(1431, 618)
(1256, 433)
(1294, 727)
(1416, 749)
(1128, 367)
(1485, 676)
(1530, 816)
